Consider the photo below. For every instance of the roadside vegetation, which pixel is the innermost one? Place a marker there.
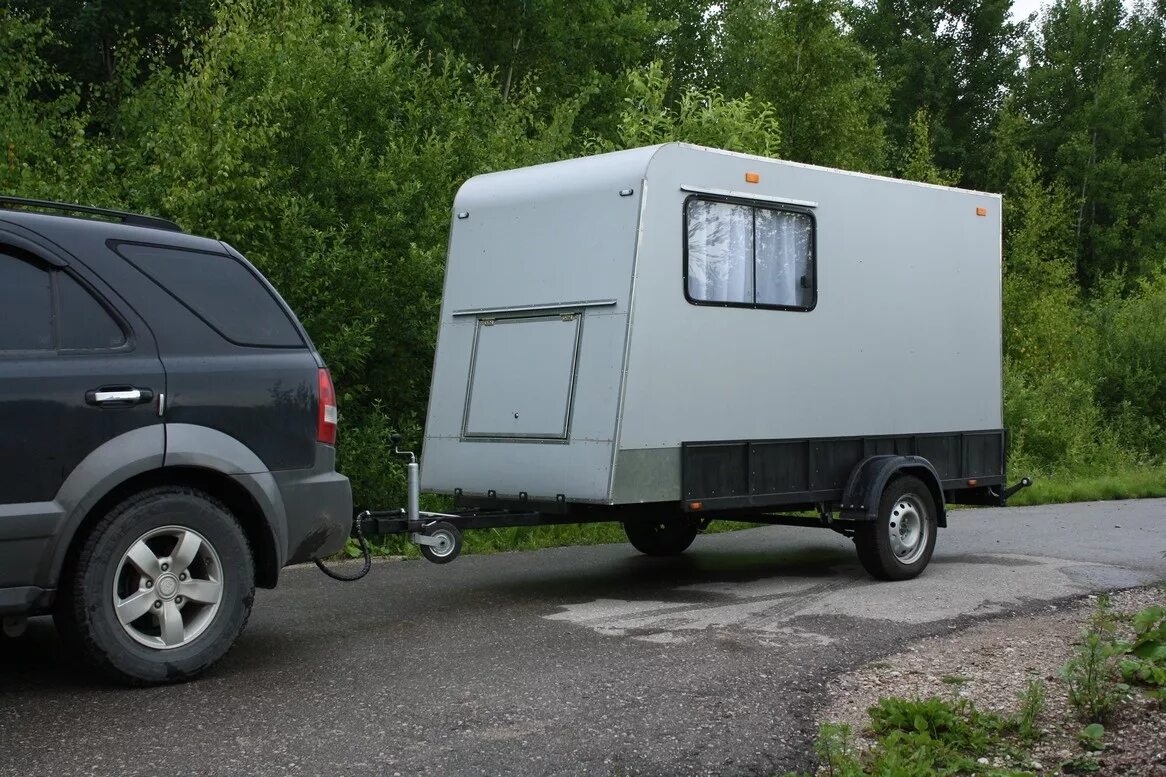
(326, 138)
(1116, 673)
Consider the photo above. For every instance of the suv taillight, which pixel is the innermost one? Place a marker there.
(326, 418)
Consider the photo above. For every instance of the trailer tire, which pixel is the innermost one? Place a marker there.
(898, 543)
(661, 537)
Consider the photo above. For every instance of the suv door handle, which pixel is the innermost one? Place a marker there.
(118, 396)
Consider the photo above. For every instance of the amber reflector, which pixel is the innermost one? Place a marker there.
(752, 178)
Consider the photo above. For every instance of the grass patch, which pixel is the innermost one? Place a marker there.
(1058, 489)
(924, 737)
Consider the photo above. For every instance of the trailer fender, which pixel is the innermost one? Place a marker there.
(864, 488)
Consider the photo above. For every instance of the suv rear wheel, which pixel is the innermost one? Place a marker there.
(161, 588)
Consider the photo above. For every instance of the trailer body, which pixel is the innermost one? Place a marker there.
(682, 326)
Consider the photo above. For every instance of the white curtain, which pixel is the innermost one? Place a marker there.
(720, 252)
(783, 258)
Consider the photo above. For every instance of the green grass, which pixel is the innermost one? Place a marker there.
(1134, 484)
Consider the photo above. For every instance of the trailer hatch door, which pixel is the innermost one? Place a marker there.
(522, 377)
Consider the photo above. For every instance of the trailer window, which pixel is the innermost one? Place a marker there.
(720, 252)
(745, 254)
(783, 244)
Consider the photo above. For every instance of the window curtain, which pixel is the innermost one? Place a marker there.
(783, 258)
(720, 252)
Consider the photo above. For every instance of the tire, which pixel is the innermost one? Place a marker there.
(661, 537)
(193, 602)
(451, 546)
(907, 509)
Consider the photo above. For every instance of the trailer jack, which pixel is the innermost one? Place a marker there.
(439, 540)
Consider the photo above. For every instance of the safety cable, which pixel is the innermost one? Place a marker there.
(358, 526)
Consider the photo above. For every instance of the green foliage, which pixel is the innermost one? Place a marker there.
(1091, 675)
(706, 118)
(1131, 362)
(1032, 705)
(921, 738)
(326, 139)
(1136, 483)
(836, 752)
(953, 59)
(824, 87)
(920, 160)
(1144, 659)
(1092, 737)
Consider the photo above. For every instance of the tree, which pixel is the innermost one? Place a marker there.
(1089, 93)
(706, 118)
(824, 87)
(954, 58)
(91, 38)
(920, 162)
(557, 48)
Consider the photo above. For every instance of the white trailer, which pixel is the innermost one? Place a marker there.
(672, 334)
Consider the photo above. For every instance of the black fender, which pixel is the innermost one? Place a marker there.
(864, 487)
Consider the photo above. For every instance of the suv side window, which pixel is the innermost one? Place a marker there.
(84, 322)
(27, 302)
(48, 310)
(220, 290)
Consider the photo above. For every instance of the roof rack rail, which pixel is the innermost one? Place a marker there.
(133, 219)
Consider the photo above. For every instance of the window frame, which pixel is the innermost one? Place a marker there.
(54, 271)
(755, 205)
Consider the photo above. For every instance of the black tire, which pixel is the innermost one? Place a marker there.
(877, 551)
(452, 548)
(661, 536)
(85, 612)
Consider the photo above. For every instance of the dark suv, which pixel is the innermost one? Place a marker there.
(167, 440)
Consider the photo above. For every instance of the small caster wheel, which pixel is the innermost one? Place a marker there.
(445, 542)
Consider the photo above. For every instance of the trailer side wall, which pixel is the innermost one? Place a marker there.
(905, 337)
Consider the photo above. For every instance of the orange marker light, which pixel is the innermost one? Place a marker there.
(695, 505)
(972, 482)
(752, 178)
(981, 211)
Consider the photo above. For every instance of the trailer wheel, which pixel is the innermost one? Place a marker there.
(447, 543)
(661, 537)
(898, 544)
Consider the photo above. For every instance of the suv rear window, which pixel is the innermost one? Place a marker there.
(220, 290)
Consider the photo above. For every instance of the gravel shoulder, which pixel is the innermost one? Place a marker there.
(992, 663)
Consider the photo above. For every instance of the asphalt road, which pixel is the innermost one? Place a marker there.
(568, 661)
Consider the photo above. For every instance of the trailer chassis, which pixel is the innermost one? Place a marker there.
(439, 535)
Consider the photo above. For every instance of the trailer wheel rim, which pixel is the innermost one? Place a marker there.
(445, 544)
(167, 587)
(908, 528)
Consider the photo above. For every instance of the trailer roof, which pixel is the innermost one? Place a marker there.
(617, 169)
